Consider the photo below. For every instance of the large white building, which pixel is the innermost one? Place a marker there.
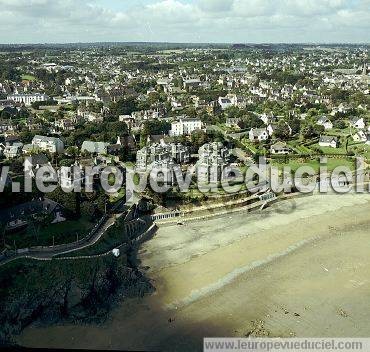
(50, 144)
(185, 126)
(28, 99)
(231, 100)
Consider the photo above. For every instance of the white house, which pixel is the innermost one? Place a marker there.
(185, 126)
(357, 122)
(128, 120)
(224, 103)
(328, 141)
(342, 108)
(231, 100)
(280, 148)
(50, 144)
(325, 122)
(268, 118)
(28, 99)
(176, 105)
(100, 148)
(360, 136)
(258, 134)
(6, 126)
(13, 151)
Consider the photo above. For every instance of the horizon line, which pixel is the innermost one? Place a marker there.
(186, 43)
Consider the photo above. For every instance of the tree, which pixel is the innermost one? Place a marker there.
(155, 127)
(282, 130)
(198, 138)
(67, 200)
(123, 107)
(294, 123)
(253, 121)
(311, 130)
(340, 124)
(72, 151)
(88, 210)
(234, 112)
(8, 72)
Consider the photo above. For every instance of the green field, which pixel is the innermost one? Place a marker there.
(361, 149)
(26, 77)
(329, 150)
(64, 232)
(315, 164)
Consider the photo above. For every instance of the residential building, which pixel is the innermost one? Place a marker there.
(225, 103)
(358, 123)
(213, 158)
(18, 217)
(49, 144)
(13, 151)
(66, 124)
(159, 152)
(99, 148)
(128, 120)
(185, 126)
(6, 126)
(328, 141)
(90, 116)
(325, 122)
(192, 83)
(360, 136)
(27, 99)
(35, 162)
(280, 148)
(258, 134)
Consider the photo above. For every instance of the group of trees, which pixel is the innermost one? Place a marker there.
(91, 205)
(251, 121)
(103, 131)
(14, 114)
(8, 72)
(310, 129)
(124, 106)
(37, 104)
(284, 77)
(155, 127)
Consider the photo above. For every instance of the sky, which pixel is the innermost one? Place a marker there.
(185, 21)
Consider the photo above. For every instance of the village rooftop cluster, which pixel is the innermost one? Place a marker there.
(175, 108)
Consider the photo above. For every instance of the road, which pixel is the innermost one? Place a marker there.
(51, 252)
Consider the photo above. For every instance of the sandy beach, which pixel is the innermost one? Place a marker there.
(299, 268)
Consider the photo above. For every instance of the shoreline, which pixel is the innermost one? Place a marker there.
(185, 262)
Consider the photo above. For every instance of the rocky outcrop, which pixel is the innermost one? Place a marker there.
(67, 291)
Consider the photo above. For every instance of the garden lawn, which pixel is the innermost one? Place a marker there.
(28, 78)
(64, 232)
(329, 150)
(315, 164)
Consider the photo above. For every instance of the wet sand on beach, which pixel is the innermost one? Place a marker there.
(299, 268)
